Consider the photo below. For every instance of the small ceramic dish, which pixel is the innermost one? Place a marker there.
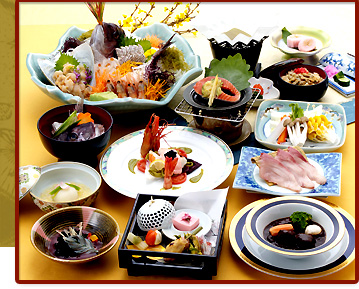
(204, 221)
(67, 172)
(269, 91)
(343, 62)
(323, 40)
(247, 176)
(273, 209)
(44, 231)
(28, 177)
(119, 104)
(334, 112)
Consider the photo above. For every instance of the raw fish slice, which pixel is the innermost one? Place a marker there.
(287, 160)
(311, 171)
(227, 86)
(272, 170)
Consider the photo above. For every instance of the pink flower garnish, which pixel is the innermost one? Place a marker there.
(186, 217)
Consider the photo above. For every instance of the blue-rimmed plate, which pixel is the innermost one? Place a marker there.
(311, 267)
(214, 155)
(247, 176)
(335, 113)
(119, 104)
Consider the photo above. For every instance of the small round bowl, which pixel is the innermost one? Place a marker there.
(95, 221)
(70, 172)
(281, 207)
(74, 151)
(313, 92)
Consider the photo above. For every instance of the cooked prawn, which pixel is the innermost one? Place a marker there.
(170, 165)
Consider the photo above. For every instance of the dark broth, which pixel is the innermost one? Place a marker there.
(288, 240)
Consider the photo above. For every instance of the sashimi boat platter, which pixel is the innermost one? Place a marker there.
(170, 142)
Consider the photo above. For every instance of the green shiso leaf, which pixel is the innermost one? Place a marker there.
(64, 58)
(72, 119)
(125, 41)
(234, 69)
(297, 111)
(285, 34)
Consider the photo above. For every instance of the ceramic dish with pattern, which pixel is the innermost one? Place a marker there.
(214, 155)
(307, 268)
(247, 176)
(334, 112)
(44, 233)
(282, 207)
(343, 62)
(28, 177)
(269, 91)
(204, 221)
(119, 104)
(323, 40)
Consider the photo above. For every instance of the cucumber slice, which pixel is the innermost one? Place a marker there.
(341, 79)
(72, 119)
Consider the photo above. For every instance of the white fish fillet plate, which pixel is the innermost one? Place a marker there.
(247, 176)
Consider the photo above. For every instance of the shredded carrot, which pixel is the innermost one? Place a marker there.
(157, 90)
(124, 68)
(275, 230)
(155, 41)
(101, 81)
(84, 118)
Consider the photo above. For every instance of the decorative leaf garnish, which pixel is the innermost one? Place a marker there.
(125, 41)
(285, 34)
(233, 68)
(297, 111)
(64, 58)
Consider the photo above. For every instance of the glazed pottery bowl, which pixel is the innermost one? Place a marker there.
(313, 92)
(44, 232)
(282, 207)
(67, 172)
(74, 151)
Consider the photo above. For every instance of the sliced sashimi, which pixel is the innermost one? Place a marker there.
(271, 170)
(229, 91)
(287, 160)
(311, 171)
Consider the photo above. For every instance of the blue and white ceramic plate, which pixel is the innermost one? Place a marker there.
(119, 104)
(270, 263)
(335, 113)
(247, 176)
(343, 62)
(215, 156)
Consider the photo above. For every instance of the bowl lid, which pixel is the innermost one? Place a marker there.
(271, 72)
(28, 177)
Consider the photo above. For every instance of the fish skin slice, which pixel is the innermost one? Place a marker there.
(272, 170)
(312, 172)
(286, 159)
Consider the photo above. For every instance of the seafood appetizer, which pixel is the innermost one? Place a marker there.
(300, 125)
(298, 41)
(171, 164)
(288, 168)
(105, 63)
(297, 232)
(74, 243)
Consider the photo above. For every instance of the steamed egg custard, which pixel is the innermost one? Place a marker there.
(65, 192)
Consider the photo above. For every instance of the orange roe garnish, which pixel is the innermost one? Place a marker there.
(84, 118)
(155, 41)
(156, 91)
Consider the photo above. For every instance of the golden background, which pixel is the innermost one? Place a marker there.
(7, 124)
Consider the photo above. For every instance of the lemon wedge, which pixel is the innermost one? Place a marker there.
(157, 165)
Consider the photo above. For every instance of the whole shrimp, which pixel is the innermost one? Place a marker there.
(152, 135)
(170, 165)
